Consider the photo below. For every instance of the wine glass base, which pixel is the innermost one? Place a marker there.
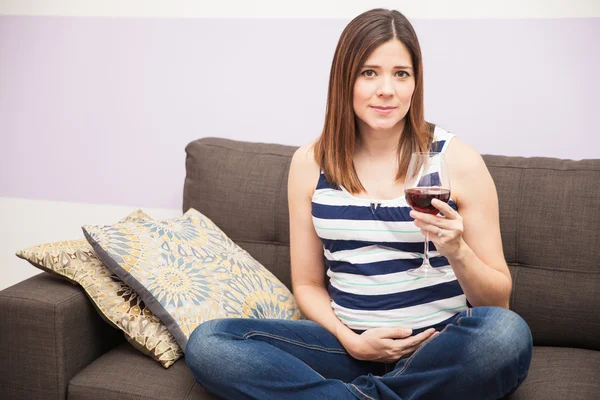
(426, 272)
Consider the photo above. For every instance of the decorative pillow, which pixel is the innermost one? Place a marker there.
(188, 271)
(120, 306)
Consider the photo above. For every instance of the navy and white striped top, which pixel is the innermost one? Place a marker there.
(368, 246)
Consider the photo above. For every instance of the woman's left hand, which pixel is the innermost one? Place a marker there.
(446, 231)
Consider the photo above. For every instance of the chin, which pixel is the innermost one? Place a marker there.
(383, 126)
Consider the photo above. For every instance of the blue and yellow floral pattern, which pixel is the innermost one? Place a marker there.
(188, 271)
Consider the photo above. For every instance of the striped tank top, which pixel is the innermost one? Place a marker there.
(368, 246)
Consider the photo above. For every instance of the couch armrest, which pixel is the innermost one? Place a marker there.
(49, 331)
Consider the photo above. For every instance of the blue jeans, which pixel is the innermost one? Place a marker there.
(483, 353)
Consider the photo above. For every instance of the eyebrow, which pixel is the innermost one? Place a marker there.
(396, 67)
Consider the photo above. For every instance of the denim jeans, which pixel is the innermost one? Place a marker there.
(483, 353)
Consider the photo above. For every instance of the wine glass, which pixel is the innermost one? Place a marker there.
(427, 179)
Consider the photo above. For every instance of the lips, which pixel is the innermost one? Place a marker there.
(383, 110)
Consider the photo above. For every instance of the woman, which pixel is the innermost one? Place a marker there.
(368, 335)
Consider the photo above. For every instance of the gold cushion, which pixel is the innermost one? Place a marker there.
(116, 302)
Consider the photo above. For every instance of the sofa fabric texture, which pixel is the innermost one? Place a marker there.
(49, 332)
(550, 223)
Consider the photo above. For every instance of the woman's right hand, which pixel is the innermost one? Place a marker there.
(386, 344)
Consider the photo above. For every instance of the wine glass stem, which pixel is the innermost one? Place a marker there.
(426, 258)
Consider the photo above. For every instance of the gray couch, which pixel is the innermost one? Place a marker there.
(53, 344)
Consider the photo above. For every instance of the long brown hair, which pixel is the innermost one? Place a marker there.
(334, 149)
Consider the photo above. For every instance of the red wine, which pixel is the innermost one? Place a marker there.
(420, 198)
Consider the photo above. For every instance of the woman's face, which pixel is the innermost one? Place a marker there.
(384, 88)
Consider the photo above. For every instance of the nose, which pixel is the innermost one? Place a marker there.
(385, 87)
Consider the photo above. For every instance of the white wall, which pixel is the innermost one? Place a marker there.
(32, 222)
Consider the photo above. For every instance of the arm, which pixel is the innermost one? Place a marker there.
(308, 268)
(308, 275)
(471, 239)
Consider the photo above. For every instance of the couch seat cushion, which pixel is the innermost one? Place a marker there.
(559, 373)
(124, 373)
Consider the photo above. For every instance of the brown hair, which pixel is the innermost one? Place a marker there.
(334, 149)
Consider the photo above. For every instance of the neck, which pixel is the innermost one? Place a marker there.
(378, 143)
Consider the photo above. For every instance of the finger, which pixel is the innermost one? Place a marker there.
(395, 333)
(425, 334)
(440, 223)
(445, 208)
(415, 347)
(414, 341)
(432, 225)
(434, 230)
(421, 337)
(428, 218)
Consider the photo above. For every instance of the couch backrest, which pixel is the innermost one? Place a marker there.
(549, 218)
(550, 224)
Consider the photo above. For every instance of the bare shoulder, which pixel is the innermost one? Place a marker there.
(304, 169)
(469, 175)
(304, 159)
(305, 154)
(464, 160)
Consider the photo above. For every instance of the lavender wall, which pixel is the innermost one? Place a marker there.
(99, 110)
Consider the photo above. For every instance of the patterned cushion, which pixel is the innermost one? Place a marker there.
(120, 306)
(188, 271)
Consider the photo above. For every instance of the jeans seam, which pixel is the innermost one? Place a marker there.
(417, 352)
(359, 391)
(248, 335)
(469, 313)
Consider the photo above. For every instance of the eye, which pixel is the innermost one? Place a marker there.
(402, 74)
(368, 73)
